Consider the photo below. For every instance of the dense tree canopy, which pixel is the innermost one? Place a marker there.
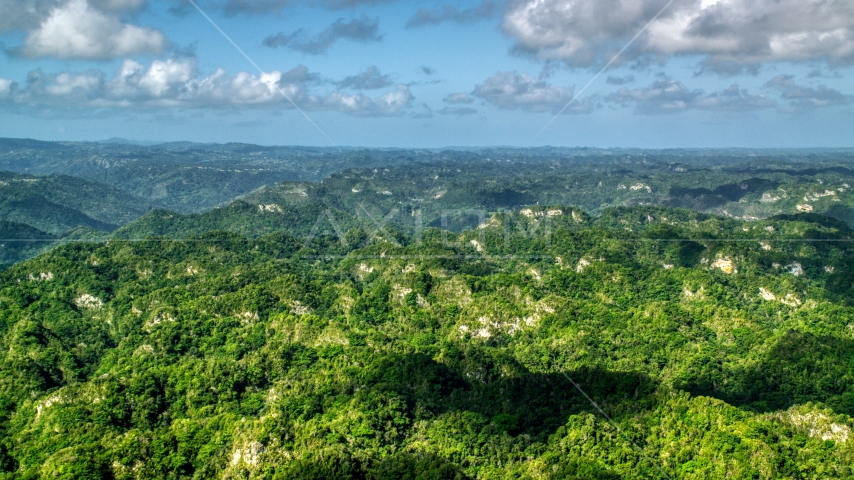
(721, 348)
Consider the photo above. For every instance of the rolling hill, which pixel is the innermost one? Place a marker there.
(718, 347)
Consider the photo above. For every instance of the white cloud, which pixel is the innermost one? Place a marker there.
(370, 79)
(517, 91)
(26, 15)
(670, 96)
(388, 104)
(78, 30)
(620, 80)
(250, 7)
(176, 82)
(5, 87)
(67, 84)
(800, 99)
(117, 5)
(451, 13)
(584, 33)
(457, 98)
(358, 30)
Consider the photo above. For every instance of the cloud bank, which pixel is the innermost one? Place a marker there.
(177, 83)
(370, 79)
(670, 96)
(358, 30)
(517, 91)
(802, 99)
(450, 13)
(725, 33)
(79, 29)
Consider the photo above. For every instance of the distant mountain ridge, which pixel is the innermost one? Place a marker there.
(59, 203)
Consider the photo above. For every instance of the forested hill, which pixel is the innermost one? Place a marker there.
(59, 203)
(214, 187)
(721, 348)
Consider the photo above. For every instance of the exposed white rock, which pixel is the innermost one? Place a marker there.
(158, 319)
(492, 222)
(641, 186)
(725, 264)
(768, 198)
(477, 245)
(766, 295)
(144, 349)
(400, 292)
(271, 208)
(805, 207)
(811, 197)
(88, 301)
(817, 424)
(248, 317)
(248, 455)
(795, 269)
(41, 277)
(54, 399)
(791, 300)
(297, 308)
(297, 191)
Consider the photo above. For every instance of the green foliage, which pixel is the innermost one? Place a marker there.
(224, 356)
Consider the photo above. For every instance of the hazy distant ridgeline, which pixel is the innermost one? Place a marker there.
(59, 203)
(189, 177)
(191, 188)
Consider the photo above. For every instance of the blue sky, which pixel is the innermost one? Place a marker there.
(386, 73)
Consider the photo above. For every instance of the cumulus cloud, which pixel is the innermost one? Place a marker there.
(801, 99)
(456, 98)
(517, 91)
(370, 79)
(79, 30)
(252, 7)
(18, 15)
(666, 95)
(450, 13)
(359, 30)
(117, 5)
(177, 83)
(620, 80)
(388, 104)
(5, 87)
(459, 111)
(584, 33)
